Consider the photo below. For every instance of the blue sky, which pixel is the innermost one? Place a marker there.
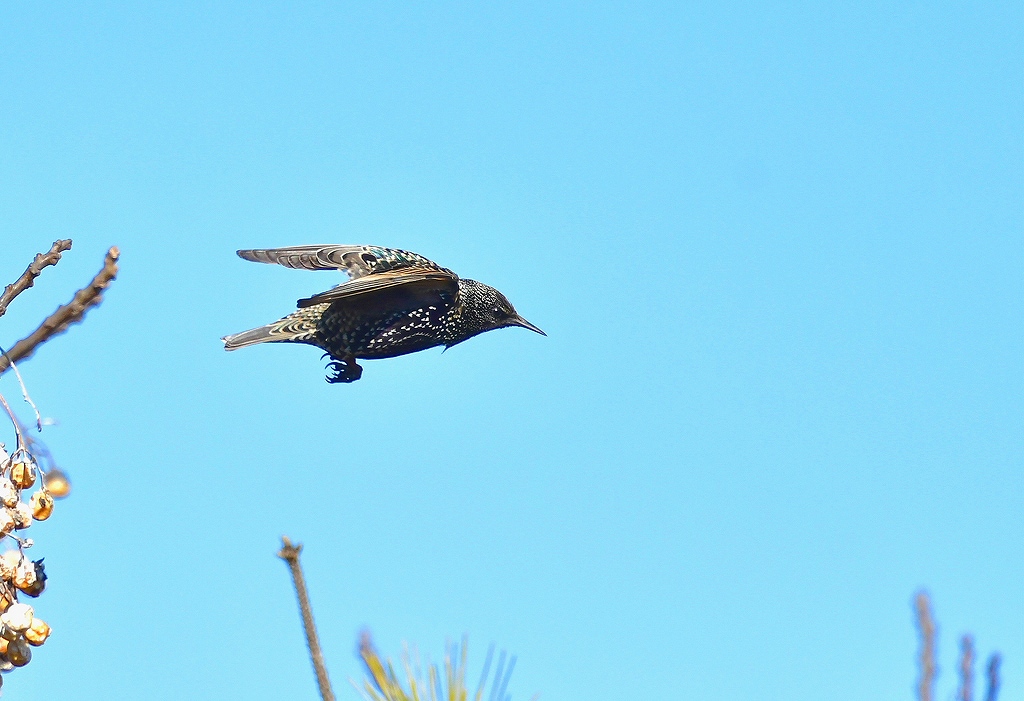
(778, 252)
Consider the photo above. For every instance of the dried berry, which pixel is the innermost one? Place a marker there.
(8, 564)
(37, 587)
(11, 559)
(6, 521)
(56, 482)
(18, 617)
(42, 505)
(7, 596)
(8, 492)
(23, 474)
(18, 652)
(38, 632)
(25, 575)
(22, 514)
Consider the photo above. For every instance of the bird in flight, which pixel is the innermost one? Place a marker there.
(395, 302)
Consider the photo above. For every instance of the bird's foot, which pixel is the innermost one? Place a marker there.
(344, 370)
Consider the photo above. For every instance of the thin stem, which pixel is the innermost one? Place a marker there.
(24, 390)
(993, 677)
(290, 554)
(966, 692)
(17, 425)
(926, 628)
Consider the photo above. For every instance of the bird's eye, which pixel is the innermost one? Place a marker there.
(497, 311)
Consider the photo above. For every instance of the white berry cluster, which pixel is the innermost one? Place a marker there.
(20, 629)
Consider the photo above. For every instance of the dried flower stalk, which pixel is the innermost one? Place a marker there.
(290, 554)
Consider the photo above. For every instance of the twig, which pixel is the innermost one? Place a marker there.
(290, 554)
(926, 628)
(32, 272)
(17, 425)
(24, 390)
(993, 677)
(71, 313)
(966, 692)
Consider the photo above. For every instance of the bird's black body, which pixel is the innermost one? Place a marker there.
(396, 303)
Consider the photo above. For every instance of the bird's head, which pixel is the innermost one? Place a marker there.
(491, 309)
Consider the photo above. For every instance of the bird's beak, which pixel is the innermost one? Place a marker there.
(520, 321)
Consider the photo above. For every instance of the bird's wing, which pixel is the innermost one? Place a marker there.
(411, 281)
(357, 261)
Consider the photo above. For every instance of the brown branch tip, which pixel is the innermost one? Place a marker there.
(66, 315)
(42, 260)
(993, 677)
(289, 552)
(926, 628)
(966, 692)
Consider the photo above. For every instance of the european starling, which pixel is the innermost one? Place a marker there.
(395, 302)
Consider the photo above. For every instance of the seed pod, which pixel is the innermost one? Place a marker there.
(22, 515)
(18, 652)
(42, 505)
(56, 482)
(37, 633)
(18, 617)
(23, 474)
(6, 521)
(6, 635)
(8, 492)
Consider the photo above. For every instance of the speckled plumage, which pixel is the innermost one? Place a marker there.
(396, 302)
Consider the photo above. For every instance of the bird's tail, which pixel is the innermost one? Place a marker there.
(299, 327)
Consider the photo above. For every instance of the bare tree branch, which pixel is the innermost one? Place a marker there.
(993, 677)
(290, 554)
(71, 313)
(966, 692)
(32, 272)
(926, 628)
